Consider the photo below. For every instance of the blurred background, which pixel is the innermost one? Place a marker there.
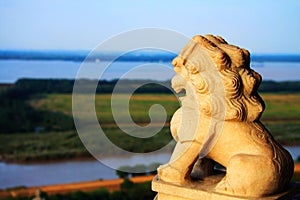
(43, 44)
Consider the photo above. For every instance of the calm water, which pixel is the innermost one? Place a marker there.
(12, 70)
(12, 175)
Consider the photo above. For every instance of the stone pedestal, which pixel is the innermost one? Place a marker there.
(204, 190)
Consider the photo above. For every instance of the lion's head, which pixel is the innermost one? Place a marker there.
(231, 66)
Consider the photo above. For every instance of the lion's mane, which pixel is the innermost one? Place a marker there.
(240, 82)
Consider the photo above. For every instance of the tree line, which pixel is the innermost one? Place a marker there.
(25, 87)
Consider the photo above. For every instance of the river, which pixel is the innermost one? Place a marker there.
(12, 70)
(12, 175)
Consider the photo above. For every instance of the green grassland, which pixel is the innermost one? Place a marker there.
(139, 105)
(281, 117)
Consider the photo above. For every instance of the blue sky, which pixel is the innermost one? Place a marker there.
(261, 26)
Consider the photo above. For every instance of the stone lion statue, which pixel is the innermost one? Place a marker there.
(219, 122)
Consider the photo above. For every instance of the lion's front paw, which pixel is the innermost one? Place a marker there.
(170, 174)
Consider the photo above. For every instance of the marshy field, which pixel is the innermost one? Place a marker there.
(281, 117)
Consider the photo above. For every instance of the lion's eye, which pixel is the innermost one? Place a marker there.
(191, 69)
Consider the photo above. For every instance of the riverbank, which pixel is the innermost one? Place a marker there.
(66, 145)
(55, 160)
(110, 185)
(293, 149)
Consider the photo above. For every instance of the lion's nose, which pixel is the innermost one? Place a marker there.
(177, 62)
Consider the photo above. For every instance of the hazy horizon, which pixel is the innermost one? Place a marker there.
(262, 27)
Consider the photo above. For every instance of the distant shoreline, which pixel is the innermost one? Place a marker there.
(152, 55)
(74, 159)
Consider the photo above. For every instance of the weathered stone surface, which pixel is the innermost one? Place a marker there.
(219, 122)
(205, 190)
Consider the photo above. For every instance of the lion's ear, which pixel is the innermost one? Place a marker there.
(221, 39)
(210, 44)
(258, 78)
(246, 57)
(204, 42)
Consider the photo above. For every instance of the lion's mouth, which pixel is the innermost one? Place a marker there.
(179, 84)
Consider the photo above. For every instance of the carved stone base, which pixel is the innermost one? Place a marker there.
(204, 190)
